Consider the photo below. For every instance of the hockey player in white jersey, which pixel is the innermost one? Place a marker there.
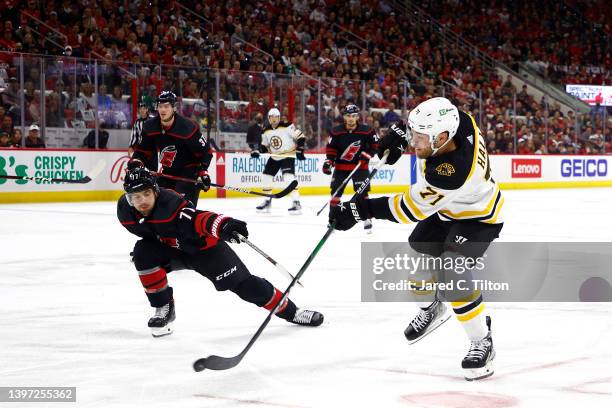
(458, 210)
(285, 143)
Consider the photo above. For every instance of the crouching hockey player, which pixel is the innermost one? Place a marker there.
(456, 205)
(174, 235)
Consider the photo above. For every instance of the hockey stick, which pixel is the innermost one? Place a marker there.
(290, 187)
(280, 267)
(84, 180)
(214, 362)
(214, 146)
(344, 183)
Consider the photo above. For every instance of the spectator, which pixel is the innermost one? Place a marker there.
(34, 140)
(5, 140)
(16, 139)
(254, 131)
(90, 140)
(390, 116)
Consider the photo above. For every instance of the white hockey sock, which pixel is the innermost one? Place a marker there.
(470, 315)
(268, 180)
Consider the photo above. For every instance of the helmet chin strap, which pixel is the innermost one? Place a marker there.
(433, 141)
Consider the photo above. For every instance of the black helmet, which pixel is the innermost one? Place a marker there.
(350, 109)
(139, 179)
(166, 97)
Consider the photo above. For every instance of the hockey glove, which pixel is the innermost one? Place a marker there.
(231, 225)
(327, 167)
(299, 154)
(203, 180)
(134, 164)
(255, 153)
(349, 213)
(395, 140)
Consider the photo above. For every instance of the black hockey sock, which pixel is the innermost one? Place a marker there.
(158, 299)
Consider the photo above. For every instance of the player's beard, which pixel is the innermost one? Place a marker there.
(169, 120)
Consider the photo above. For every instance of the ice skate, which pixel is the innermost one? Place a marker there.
(478, 363)
(426, 321)
(161, 322)
(265, 207)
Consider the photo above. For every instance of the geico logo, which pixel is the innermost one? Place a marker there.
(228, 273)
(584, 167)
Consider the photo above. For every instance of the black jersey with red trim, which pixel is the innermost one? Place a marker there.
(182, 149)
(344, 146)
(173, 222)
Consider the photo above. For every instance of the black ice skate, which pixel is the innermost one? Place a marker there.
(265, 207)
(307, 318)
(296, 209)
(367, 226)
(161, 322)
(478, 363)
(426, 321)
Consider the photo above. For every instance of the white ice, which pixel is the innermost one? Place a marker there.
(73, 313)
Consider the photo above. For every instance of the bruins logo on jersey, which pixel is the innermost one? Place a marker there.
(276, 142)
(445, 169)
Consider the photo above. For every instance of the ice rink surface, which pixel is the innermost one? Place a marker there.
(74, 314)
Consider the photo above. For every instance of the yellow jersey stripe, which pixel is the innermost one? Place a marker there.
(413, 208)
(398, 211)
(476, 137)
(497, 211)
(486, 211)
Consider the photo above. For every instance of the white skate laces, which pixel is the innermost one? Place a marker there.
(421, 320)
(303, 316)
(478, 349)
(162, 312)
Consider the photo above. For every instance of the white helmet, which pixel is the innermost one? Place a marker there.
(434, 116)
(273, 112)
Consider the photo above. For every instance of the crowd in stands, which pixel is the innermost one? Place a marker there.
(319, 55)
(567, 41)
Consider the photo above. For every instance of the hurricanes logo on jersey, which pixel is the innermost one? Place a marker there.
(276, 142)
(351, 151)
(445, 169)
(168, 154)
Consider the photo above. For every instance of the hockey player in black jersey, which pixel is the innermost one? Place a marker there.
(457, 207)
(174, 235)
(183, 151)
(350, 145)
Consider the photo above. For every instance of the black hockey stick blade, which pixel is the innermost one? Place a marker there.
(287, 190)
(217, 363)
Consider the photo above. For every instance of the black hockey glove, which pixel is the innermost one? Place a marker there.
(255, 153)
(231, 225)
(395, 140)
(349, 213)
(203, 180)
(299, 154)
(327, 167)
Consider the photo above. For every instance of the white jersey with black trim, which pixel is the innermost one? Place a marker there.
(281, 141)
(457, 185)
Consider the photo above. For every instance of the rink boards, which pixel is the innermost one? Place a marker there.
(240, 170)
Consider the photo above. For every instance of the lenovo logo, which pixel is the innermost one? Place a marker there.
(527, 168)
